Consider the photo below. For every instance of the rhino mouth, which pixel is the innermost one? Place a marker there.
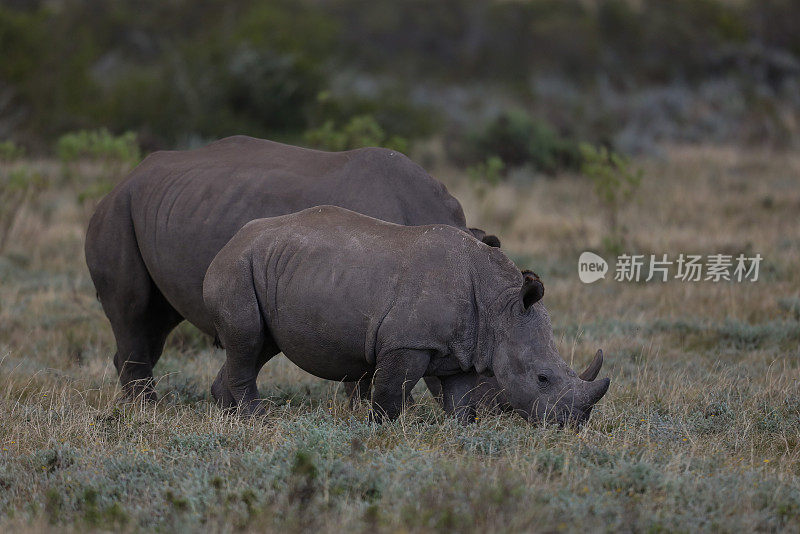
(576, 417)
(572, 415)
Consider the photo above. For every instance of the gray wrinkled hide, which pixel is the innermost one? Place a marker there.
(152, 238)
(347, 297)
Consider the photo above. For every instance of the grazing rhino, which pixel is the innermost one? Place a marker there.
(347, 297)
(152, 238)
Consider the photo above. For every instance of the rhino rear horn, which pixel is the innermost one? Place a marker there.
(591, 372)
(532, 289)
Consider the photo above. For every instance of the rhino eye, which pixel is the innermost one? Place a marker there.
(543, 379)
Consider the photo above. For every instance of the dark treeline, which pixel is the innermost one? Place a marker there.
(184, 71)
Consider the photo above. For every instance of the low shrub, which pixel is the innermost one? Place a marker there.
(10, 151)
(359, 131)
(98, 145)
(112, 155)
(615, 182)
(518, 140)
(18, 187)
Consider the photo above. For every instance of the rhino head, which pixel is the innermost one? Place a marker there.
(535, 381)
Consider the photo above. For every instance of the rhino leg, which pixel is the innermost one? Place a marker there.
(457, 395)
(140, 341)
(396, 374)
(230, 298)
(358, 391)
(140, 316)
(362, 390)
(227, 396)
(235, 385)
(434, 386)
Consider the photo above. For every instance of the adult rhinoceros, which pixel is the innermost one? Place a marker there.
(346, 296)
(152, 238)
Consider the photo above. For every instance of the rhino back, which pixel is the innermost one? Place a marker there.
(185, 205)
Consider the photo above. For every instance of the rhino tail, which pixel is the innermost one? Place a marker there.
(217, 342)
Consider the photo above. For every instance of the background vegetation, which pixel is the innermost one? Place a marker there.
(551, 73)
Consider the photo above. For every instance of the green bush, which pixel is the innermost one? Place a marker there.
(360, 131)
(116, 155)
(98, 145)
(489, 172)
(615, 183)
(10, 151)
(18, 187)
(518, 140)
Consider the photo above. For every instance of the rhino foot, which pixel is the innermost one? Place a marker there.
(361, 391)
(396, 374)
(457, 396)
(140, 390)
(220, 391)
(226, 399)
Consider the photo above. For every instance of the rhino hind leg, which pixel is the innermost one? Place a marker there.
(434, 386)
(230, 298)
(140, 316)
(140, 341)
(235, 385)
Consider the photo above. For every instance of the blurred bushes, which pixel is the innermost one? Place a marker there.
(112, 156)
(518, 139)
(182, 72)
(10, 151)
(360, 131)
(19, 185)
(489, 172)
(615, 183)
(98, 145)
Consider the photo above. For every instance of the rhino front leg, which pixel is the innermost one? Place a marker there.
(396, 373)
(458, 395)
(361, 391)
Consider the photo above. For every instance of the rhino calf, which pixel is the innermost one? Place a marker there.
(348, 297)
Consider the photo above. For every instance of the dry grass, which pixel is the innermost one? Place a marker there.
(699, 431)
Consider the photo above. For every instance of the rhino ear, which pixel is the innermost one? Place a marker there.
(490, 240)
(532, 289)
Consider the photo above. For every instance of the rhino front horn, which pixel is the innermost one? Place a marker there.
(591, 372)
(597, 390)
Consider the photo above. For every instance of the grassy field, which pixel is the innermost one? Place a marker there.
(700, 429)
